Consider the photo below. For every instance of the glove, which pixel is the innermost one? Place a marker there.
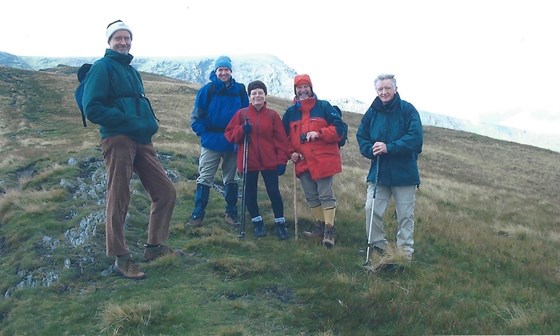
(247, 128)
(281, 169)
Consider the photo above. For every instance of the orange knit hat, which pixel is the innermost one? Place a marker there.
(301, 80)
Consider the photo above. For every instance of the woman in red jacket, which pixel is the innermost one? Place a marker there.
(267, 154)
(314, 129)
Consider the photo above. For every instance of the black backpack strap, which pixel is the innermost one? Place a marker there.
(212, 93)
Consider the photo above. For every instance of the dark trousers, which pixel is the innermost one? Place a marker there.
(123, 157)
(270, 178)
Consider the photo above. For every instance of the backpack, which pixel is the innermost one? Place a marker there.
(342, 141)
(79, 92)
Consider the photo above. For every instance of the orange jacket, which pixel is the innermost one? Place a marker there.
(321, 157)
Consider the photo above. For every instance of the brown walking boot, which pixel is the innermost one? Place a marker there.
(154, 252)
(125, 266)
(230, 220)
(193, 223)
(316, 231)
(329, 236)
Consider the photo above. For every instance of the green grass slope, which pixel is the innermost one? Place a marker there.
(487, 237)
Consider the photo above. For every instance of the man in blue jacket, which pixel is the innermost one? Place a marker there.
(114, 99)
(216, 103)
(391, 132)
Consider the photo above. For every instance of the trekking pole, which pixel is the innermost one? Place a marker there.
(371, 213)
(295, 204)
(244, 183)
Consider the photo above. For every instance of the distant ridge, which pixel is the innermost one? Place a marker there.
(13, 61)
(279, 78)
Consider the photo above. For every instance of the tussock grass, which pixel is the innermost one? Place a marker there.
(516, 316)
(17, 202)
(127, 319)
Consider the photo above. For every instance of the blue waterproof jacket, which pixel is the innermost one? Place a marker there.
(214, 107)
(398, 125)
(114, 99)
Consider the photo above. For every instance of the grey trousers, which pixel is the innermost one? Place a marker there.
(209, 163)
(122, 157)
(405, 201)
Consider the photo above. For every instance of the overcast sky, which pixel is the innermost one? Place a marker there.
(484, 60)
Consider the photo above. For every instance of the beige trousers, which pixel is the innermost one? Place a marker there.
(405, 201)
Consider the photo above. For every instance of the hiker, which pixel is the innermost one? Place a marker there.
(391, 132)
(314, 128)
(267, 154)
(215, 105)
(114, 99)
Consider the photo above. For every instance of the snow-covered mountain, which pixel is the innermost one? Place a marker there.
(13, 61)
(269, 69)
(279, 79)
(548, 141)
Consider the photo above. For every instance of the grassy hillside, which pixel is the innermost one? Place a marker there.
(487, 237)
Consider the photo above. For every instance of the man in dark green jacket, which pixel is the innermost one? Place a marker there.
(390, 135)
(114, 99)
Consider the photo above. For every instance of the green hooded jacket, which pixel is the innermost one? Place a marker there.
(114, 99)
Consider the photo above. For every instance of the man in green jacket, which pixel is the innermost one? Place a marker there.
(390, 135)
(114, 99)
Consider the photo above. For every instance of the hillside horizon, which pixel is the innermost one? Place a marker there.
(279, 77)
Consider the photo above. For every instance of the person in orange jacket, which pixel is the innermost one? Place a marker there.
(314, 129)
(267, 155)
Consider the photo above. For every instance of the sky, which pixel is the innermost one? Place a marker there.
(495, 61)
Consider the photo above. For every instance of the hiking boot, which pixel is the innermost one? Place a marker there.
(193, 223)
(259, 229)
(230, 220)
(281, 231)
(154, 252)
(380, 251)
(329, 236)
(125, 266)
(316, 232)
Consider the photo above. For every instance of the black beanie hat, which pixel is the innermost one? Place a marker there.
(256, 85)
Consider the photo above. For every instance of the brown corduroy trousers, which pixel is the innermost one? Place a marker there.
(122, 157)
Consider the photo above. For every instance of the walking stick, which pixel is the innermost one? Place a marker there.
(371, 214)
(295, 205)
(244, 183)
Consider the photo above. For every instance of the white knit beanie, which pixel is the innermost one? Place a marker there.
(114, 26)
